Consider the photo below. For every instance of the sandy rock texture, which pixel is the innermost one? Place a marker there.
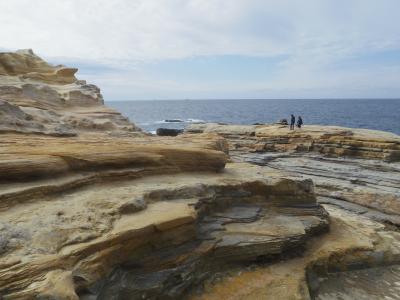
(329, 140)
(354, 242)
(83, 219)
(38, 97)
(346, 165)
(93, 208)
(356, 179)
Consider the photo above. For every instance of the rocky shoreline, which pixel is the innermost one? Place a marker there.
(91, 207)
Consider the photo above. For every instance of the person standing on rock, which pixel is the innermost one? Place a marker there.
(292, 121)
(299, 121)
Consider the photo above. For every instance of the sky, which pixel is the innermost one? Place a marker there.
(214, 49)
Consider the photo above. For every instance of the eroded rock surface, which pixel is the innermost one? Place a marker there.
(37, 97)
(347, 182)
(92, 208)
(328, 140)
(356, 177)
(188, 221)
(353, 242)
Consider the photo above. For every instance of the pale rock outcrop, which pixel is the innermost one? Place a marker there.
(52, 98)
(27, 65)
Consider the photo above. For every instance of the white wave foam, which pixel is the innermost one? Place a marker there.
(195, 121)
(168, 121)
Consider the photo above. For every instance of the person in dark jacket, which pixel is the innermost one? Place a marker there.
(292, 121)
(299, 121)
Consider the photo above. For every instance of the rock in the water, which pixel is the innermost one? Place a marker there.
(282, 122)
(168, 131)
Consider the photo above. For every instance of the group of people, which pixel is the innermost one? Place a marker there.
(293, 121)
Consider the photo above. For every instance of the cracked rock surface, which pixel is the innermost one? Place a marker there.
(356, 179)
(93, 208)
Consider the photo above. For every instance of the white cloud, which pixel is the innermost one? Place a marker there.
(153, 29)
(313, 34)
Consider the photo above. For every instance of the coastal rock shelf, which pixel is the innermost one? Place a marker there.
(353, 242)
(91, 207)
(357, 181)
(370, 185)
(328, 140)
(159, 226)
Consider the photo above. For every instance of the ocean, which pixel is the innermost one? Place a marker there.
(379, 114)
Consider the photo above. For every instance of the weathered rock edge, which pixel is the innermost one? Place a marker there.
(37, 97)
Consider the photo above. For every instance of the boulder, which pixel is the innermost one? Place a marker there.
(282, 122)
(168, 131)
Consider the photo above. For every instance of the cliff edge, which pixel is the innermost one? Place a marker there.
(36, 97)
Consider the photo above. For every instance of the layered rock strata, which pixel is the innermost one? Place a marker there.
(356, 177)
(92, 208)
(36, 97)
(364, 176)
(328, 140)
(154, 229)
(354, 242)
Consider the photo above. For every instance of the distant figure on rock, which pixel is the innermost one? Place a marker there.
(299, 122)
(292, 121)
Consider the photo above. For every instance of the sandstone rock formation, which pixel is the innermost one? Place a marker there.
(354, 242)
(40, 98)
(82, 218)
(357, 180)
(90, 207)
(336, 169)
(329, 140)
(93, 208)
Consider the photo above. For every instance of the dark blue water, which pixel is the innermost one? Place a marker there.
(380, 114)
